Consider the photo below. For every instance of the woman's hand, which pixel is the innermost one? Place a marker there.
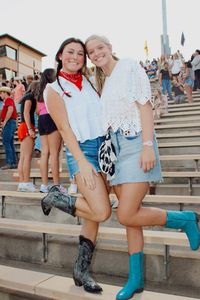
(148, 158)
(88, 173)
(32, 133)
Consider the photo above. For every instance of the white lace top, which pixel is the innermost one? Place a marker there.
(127, 85)
(83, 108)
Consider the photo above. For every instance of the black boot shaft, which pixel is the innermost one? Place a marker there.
(81, 269)
(55, 198)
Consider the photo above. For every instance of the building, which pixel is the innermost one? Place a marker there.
(18, 58)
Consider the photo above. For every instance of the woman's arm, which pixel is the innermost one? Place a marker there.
(148, 158)
(37, 109)
(27, 118)
(57, 110)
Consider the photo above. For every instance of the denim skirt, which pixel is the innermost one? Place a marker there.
(127, 166)
(90, 149)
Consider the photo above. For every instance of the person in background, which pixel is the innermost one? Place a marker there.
(8, 118)
(26, 135)
(187, 79)
(29, 80)
(18, 92)
(1, 106)
(24, 82)
(160, 104)
(175, 66)
(165, 81)
(178, 90)
(128, 117)
(75, 107)
(162, 60)
(196, 67)
(50, 138)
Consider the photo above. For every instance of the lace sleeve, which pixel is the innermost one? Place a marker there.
(141, 89)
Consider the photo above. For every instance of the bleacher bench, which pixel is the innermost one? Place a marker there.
(156, 199)
(115, 236)
(50, 286)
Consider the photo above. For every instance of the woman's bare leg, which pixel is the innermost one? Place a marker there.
(44, 159)
(24, 165)
(54, 141)
(134, 217)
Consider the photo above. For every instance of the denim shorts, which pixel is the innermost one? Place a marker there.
(189, 81)
(127, 167)
(90, 149)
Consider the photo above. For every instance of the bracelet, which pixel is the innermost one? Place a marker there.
(148, 143)
(30, 129)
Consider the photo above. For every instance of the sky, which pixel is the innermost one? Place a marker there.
(45, 24)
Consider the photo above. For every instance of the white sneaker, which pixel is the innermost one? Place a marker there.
(72, 189)
(29, 187)
(44, 188)
(114, 203)
(20, 187)
(62, 189)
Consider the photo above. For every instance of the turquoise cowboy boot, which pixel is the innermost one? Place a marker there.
(188, 222)
(135, 283)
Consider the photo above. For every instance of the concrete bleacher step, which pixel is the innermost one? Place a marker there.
(183, 113)
(178, 126)
(187, 119)
(195, 95)
(50, 286)
(183, 109)
(182, 134)
(193, 104)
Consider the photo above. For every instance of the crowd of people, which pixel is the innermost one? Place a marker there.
(173, 77)
(23, 108)
(106, 122)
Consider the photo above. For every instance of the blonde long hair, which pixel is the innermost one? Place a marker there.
(98, 72)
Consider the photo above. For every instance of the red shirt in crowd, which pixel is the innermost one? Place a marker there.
(8, 102)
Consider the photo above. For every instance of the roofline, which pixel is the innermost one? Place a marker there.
(6, 35)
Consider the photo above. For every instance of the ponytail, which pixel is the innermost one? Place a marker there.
(59, 67)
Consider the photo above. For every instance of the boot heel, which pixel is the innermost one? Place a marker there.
(45, 208)
(139, 290)
(77, 282)
(197, 218)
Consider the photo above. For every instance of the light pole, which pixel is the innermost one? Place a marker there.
(165, 49)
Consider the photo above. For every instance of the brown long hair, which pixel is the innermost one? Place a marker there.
(84, 71)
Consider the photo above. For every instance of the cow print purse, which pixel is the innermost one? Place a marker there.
(107, 157)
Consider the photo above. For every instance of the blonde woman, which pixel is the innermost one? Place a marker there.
(127, 115)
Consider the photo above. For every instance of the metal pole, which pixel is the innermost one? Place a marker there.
(165, 39)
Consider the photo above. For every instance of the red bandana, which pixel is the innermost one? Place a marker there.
(74, 78)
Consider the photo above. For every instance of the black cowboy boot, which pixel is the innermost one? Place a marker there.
(55, 198)
(81, 274)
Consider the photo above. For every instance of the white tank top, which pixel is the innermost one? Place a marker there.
(83, 108)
